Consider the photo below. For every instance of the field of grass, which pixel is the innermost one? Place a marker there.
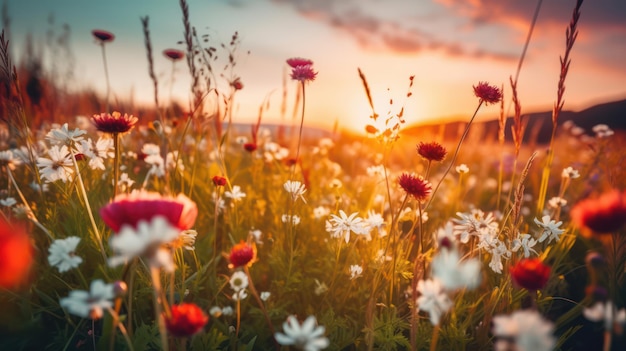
(157, 228)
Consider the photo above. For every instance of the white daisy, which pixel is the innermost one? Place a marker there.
(64, 136)
(307, 337)
(9, 159)
(432, 299)
(265, 295)
(235, 194)
(92, 303)
(62, 254)
(524, 330)
(524, 242)
(341, 226)
(550, 229)
(607, 313)
(239, 281)
(58, 166)
(8, 202)
(145, 240)
(296, 189)
(454, 274)
(355, 271)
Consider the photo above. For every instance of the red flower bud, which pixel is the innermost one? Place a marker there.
(241, 254)
(530, 273)
(219, 180)
(186, 319)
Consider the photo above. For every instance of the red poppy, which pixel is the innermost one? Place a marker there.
(102, 35)
(16, 255)
(530, 274)
(241, 254)
(130, 209)
(603, 215)
(250, 147)
(219, 180)
(173, 54)
(237, 84)
(186, 319)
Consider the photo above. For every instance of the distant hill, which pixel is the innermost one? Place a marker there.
(539, 124)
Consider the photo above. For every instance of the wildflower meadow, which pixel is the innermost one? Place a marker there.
(168, 228)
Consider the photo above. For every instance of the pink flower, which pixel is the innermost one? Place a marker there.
(298, 61)
(102, 35)
(130, 209)
(173, 54)
(303, 73)
(432, 151)
(114, 123)
(241, 254)
(488, 94)
(416, 186)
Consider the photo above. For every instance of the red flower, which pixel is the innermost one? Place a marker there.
(303, 73)
(416, 186)
(603, 215)
(237, 84)
(102, 35)
(130, 209)
(432, 151)
(298, 61)
(219, 180)
(250, 147)
(186, 319)
(241, 254)
(173, 54)
(16, 255)
(530, 273)
(114, 123)
(487, 93)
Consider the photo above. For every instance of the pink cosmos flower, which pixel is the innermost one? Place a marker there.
(489, 94)
(303, 73)
(102, 35)
(298, 61)
(130, 209)
(114, 122)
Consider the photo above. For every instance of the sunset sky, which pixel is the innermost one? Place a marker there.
(449, 45)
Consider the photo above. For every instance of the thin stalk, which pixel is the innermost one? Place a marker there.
(116, 162)
(158, 310)
(106, 76)
(116, 321)
(31, 214)
(82, 190)
(300, 133)
(435, 339)
(261, 305)
(456, 153)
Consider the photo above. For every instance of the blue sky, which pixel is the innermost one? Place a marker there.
(449, 45)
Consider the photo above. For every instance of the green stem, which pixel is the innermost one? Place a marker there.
(158, 310)
(82, 189)
(31, 214)
(456, 154)
(116, 162)
(300, 133)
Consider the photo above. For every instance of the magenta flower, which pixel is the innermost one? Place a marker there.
(489, 94)
(298, 61)
(130, 209)
(173, 54)
(303, 73)
(102, 35)
(114, 122)
(416, 186)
